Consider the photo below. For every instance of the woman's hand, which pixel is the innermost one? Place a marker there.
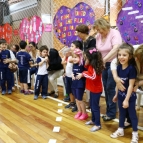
(119, 84)
(115, 99)
(79, 76)
(6, 61)
(125, 104)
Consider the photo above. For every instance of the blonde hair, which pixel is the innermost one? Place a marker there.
(101, 23)
(139, 53)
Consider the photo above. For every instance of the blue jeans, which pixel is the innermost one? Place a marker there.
(109, 88)
(95, 108)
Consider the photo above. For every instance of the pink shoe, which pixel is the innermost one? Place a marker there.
(77, 115)
(83, 116)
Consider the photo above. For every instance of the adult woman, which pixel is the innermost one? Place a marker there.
(55, 71)
(88, 41)
(107, 42)
(34, 54)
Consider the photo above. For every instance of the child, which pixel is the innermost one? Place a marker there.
(42, 74)
(127, 98)
(94, 66)
(78, 85)
(24, 62)
(5, 73)
(75, 44)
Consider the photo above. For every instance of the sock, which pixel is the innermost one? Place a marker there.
(120, 130)
(135, 133)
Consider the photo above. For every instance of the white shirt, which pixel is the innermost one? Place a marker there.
(69, 67)
(113, 64)
(42, 70)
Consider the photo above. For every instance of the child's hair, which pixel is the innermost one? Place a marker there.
(95, 59)
(22, 44)
(139, 53)
(17, 48)
(44, 47)
(80, 54)
(78, 44)
(130, 49)
(2, 41)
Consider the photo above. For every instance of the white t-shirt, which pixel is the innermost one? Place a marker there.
(113, 64)
(42, 70)
(69, 67)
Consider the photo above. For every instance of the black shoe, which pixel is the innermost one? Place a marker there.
(67, 99)
(52, 92)
(56, 95)
(74, 109)
(71, 105)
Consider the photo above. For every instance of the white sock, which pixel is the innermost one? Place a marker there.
(135, 133)
(120, 129)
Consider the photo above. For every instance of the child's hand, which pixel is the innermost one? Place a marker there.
(6, 61)
(64, 74)
(10, 66)
(79, 76)
(46, 59)
(125, 104)
(115, 99)
(73, 77)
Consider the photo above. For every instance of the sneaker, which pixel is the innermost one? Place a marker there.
(21, 91)
(70, 105)
(135, 138)
(9, 91)
(67, 99)
(44, 97)
(3, 92)
(117, 134)
(28, 92)
(74, 109)
(83, 116)
(95, 128)
(77, 115)
(35, 97)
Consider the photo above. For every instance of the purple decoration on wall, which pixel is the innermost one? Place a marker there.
(130, 22)
(66, 20)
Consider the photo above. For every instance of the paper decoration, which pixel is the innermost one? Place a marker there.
(48, 27)
(66, 20)
(6, 32)
(130, 22)
(31, 30)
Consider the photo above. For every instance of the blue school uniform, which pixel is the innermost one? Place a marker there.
(127, 74)
(5, 73)
(78, 86)
(41, 78)
(23, 64)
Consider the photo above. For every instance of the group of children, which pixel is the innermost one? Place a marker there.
(83, 70)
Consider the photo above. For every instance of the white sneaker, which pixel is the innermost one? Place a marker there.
(117, 134)
(135, 138)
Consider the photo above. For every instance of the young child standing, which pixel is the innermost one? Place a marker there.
(24, 61)
(78, 85)
(42, 74)
(94, 66)
(75, 44)
(126, 99)
(5, 73)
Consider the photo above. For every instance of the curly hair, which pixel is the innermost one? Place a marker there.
(95, 59)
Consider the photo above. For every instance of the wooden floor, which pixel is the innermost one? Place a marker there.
(24, 120)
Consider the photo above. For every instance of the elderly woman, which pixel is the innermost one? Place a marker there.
(107, 42)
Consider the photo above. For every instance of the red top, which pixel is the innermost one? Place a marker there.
(93, 81)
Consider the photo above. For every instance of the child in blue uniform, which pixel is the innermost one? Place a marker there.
(42, 74)
(24, 62)
(126, 99)
(5, 73)
(78, 85)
